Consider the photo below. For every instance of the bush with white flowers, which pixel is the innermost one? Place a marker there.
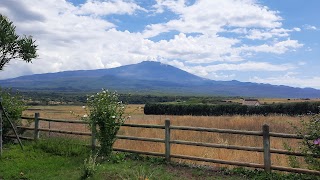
(106, 113)
(310, 130)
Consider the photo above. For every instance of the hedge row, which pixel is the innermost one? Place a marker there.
(300, 108)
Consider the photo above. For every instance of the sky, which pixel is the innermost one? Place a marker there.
(263, 41)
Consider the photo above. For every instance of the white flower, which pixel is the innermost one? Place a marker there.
(85, 115)
(113, 117)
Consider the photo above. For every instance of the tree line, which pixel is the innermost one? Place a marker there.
(299, 108)
(80, 98)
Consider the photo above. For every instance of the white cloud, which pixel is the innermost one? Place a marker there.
(219, 71)
(310, 27)
(102, 8)
(263, 34)
(200, 49)
(296, 29)
(290, 80)
(173, 5)
(210, 17)
(250, 66)
(277, 47)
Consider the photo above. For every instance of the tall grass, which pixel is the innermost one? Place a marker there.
(250, 123)
(62, 146)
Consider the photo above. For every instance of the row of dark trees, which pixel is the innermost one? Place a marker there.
(300, 108)
(80, 98)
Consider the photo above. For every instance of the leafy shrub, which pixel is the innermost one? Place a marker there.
(106, 111)
(310, 130)
(13, 106)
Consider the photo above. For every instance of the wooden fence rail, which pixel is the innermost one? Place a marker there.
(265, 134)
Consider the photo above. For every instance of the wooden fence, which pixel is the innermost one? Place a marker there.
(265, 134)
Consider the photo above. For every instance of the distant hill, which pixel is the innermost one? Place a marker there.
(151, 77)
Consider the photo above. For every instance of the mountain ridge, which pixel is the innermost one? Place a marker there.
(152, 77)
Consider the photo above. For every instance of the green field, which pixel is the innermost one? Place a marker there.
(60, 159)
(45, 161)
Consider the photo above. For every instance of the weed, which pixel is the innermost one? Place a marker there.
(140, 174)
(90, 166)
(292, 160)
(117, 157)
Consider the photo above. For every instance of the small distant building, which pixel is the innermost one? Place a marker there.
(251, 102)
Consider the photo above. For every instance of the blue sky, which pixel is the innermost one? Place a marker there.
(263, 41)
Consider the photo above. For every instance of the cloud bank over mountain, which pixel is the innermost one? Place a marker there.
(246, 40)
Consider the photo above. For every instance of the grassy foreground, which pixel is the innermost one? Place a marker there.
(45, 160)
(64, 159)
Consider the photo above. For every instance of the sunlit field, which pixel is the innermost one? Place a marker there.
(277, 123)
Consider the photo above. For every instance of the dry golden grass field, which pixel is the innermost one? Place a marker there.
(282, 124)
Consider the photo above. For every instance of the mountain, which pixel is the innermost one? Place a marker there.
(151, 77)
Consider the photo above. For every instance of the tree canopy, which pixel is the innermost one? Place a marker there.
(12, 46)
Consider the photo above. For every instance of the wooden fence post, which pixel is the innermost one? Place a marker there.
(1, 134)
(167, 140)
(266, 148)
(36, 126)
(93, 136)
